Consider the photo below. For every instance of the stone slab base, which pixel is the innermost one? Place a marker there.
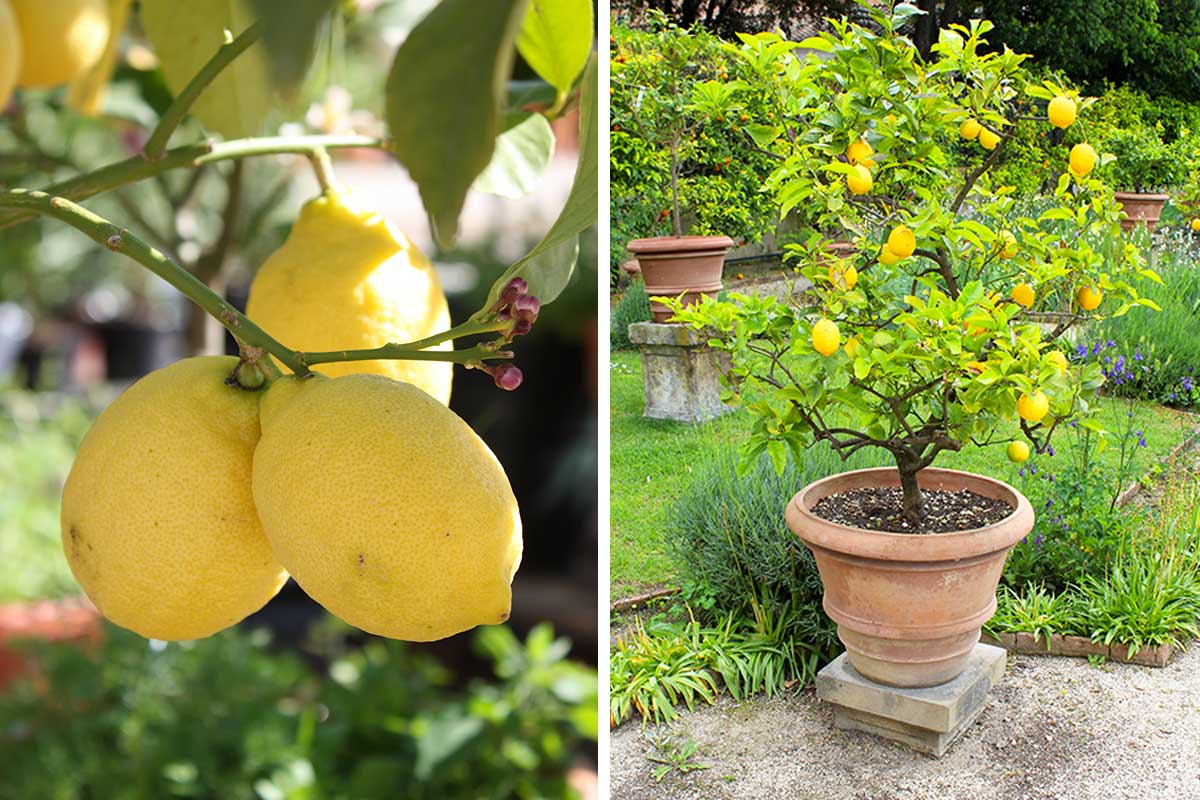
(681, 374)
(927, 720)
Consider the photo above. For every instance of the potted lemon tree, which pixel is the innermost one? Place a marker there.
(1143, 167)
(932, 348)
(677, 161)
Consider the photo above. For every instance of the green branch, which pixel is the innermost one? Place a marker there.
(406, 352)
(174, 115)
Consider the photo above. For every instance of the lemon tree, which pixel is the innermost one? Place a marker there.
(207, 483)
(953, 328)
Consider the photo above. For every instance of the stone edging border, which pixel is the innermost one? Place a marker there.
(626, 603)
(1080, 647)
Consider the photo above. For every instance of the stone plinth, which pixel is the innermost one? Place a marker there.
(928, 720)
(680, 372)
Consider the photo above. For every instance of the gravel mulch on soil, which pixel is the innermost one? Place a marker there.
(879, 509)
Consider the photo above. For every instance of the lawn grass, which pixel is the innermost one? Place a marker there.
(651, 461)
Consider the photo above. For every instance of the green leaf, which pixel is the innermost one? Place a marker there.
(444, 95)
(291, 30)
(548, 266)
(522, 155)
(556, 40)
(185, 36)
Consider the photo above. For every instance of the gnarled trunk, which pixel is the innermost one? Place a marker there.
(911, 500)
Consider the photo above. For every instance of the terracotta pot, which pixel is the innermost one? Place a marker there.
(909, 607)
(680, 265)
(1140, 207)
(73, 620)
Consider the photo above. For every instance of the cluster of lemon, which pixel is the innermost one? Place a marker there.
(192, 498)
(46, 43)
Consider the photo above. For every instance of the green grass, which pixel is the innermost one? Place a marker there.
(653, 460)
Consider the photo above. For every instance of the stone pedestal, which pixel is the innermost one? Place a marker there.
(928, 720)
(680, 372)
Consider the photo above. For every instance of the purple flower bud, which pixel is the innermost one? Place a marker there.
(522, 327)
(506, 376)
(515, 290)
(526, 308)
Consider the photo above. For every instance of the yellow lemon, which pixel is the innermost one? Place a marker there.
(385, 506)
(901, 241)
(1017, 452)
(858, 151)
(1061, 111)
(1196, 224)
(1032, 408)
(826, 337)
(10, 53)
(1082, 159)
(970, 128)
(1006, 244)
(1056, 358)
(1023, 295)
(60, 39)
(158, 518)
(1088, 297)
(347, 279)
(887, 257)
(976, 366)
(989, 138)
(843, 277)
(859, 181)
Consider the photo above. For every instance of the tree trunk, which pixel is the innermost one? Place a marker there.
(676, 223)
(911, 501)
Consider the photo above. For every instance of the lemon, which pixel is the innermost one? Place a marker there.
(887, 257)
(346, 279)
(989, 138)
(1082, 159)
(970, 128)
(1056, 358)
(1017, 452)
(858, 151)
(1006, 244)
(859, 180)
(60, 39)
(1023, 295)
(1196, 224)
(901, 241)
(1032, 408)
(826, 337)
(158, 518)
(1061, 111)
(1088, 297)
(385, 506)
(10, 53)
(976, 366)
(843, 277)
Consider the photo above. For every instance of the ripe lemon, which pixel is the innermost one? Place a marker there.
(826, 337)
(976, 366)
(1023, 295)
(10, 53)
(887, 257)
(1006, 244)
(858, 151)
(385, 506)
(843, 277)
(1082, 159)
(158, 518)
(969, 128)
(60, 39)
(1088, 297)
(989, 138)
(1017, 452)
(1061, 111)
(859, 181)
(901, 241)
(346, 279)
(1032, 408)
(1056, 358)
(1196, 224)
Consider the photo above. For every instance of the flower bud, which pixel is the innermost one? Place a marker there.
(526, 308)
(506, 376)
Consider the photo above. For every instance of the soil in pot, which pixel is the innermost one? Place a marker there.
(878, 508)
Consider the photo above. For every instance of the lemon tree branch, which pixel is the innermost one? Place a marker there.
(157, 143)
(471, 355)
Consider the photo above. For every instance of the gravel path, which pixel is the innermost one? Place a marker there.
(1054, 729)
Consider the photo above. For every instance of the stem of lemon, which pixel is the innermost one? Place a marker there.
(323, 169)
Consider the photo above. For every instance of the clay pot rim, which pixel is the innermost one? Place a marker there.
(886, 546)
(1142, 196)
(678, 244)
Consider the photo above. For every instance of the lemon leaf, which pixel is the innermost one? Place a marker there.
(186, 35)
(522, 155)
(444, 94)
(291, 31)
(556, 40)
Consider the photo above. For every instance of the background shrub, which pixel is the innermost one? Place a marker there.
(633, 306)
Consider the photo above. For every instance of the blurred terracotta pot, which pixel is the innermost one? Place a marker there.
(680, 265)
(909, 607)
(71, 620)
(1139, 207)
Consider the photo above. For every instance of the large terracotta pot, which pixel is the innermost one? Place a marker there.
(675, 265)
(1139, 207)
(909, 607)
(72, 620)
